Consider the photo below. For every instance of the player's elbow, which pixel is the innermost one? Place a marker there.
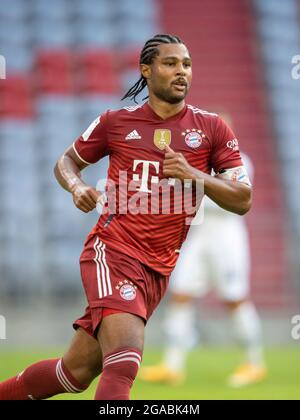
(59, 169)
(245, 203)
(243, 210)
(56, 170)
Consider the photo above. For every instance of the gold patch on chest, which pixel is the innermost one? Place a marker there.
(162, 137)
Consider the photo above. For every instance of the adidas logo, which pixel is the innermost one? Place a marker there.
(134, 135)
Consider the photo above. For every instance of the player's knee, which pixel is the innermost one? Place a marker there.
(86, 374)
(84, 371)
(123, 363)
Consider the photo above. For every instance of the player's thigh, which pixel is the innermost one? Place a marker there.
(84, 355)
(119, 331)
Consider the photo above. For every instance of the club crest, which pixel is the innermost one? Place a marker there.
(193, 138)
(127, 290)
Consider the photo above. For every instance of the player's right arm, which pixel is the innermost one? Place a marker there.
(68, 174)
(89, 148)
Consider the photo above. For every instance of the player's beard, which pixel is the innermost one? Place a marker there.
(167, 95)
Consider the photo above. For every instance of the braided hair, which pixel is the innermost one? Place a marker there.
(148, 53)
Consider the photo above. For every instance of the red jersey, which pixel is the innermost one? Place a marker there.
(134, 138)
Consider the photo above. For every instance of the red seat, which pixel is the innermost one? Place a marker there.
(97, 72)
(54, 72)
(129, 59)
(16, 97)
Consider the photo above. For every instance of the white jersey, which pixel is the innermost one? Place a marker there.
(215, 255)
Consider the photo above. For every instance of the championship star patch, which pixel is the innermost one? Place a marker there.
(162, 138)
(127, 290)
(193, 138)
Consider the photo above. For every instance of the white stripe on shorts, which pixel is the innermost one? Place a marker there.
(103, 275)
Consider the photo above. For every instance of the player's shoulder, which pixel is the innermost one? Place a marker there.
(202, 113)
(126, 110)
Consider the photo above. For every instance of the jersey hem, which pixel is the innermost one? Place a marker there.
(137, 254)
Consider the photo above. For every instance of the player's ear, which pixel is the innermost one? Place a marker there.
(145, 70)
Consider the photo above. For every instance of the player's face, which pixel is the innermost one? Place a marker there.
(170, 75)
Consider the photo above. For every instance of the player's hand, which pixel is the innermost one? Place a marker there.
(176, 166)
(86, 198)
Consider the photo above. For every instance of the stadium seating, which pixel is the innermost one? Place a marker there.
(14, 10)
(146, 10)
(59, 10)
(93, 34)
(279, 27)
(63, 65)
(51, 34)
(227, 64)
(100, 10)
(97, 72)
(91, 106)
(16, 97)
(20, 204)
(53, 72)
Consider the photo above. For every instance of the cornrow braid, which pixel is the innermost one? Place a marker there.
(148, 53)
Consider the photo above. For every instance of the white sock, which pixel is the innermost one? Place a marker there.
(248, 332)
(181, 335)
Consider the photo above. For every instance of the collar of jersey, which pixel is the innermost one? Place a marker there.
(155, 116)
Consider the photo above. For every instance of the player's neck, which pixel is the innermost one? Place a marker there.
(163, 109)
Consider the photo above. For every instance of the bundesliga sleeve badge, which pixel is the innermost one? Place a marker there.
(193, 138)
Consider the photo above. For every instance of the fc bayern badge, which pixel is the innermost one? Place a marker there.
(193, 138)
(127, 290)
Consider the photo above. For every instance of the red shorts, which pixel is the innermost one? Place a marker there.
(117, 281)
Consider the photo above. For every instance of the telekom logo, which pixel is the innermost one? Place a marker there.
(144, 193)
(145, 174)
(2, 67)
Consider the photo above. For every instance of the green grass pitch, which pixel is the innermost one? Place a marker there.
(206, 377)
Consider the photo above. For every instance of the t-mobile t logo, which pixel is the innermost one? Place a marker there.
(2, 67)
(2, 328)
(145, 174)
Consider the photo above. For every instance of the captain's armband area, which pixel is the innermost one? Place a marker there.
(238, 174)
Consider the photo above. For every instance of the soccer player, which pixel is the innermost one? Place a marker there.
(129, 255)
(216, 256)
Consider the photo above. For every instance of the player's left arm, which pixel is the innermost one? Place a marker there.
(228, 191)
(225, 189)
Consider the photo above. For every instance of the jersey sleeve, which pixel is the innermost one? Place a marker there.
(92, 145)
(225, 151)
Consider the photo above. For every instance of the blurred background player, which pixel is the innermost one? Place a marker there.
(216, 256)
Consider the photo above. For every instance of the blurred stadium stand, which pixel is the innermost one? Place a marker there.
(279, 29)
(63, 66)
(69, 62)
(229, 69)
